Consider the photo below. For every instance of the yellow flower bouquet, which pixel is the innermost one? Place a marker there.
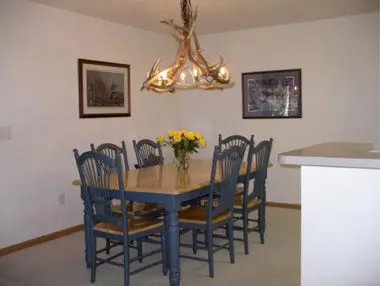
(183, 143)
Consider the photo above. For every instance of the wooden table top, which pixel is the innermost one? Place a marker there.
(165, 179)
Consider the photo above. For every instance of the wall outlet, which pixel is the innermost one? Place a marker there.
(62, 199)
(5, 133)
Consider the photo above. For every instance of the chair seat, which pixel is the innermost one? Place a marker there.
(139, 208)
(135, 225)
(238, 204)
(199, 216)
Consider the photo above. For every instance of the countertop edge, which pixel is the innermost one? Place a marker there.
(333, 154)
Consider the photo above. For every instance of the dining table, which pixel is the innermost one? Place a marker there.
(166, 185)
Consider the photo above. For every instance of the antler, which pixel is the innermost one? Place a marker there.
(178, 33)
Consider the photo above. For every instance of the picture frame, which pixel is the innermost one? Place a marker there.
(272, 94)
(104, 89)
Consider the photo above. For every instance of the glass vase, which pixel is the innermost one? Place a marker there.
(182, 160)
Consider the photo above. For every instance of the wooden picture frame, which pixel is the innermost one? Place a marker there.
(104, 89)
(272, 94)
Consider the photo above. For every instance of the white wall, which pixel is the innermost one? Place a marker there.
(39, 48)
(340, 74)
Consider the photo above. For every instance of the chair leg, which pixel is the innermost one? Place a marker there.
(108, 245)
(263, 206)
(261, 223)
(93, 258)
(210, 248)
(163, 253)
(245, 232)
(139, 250)
(195, 244)
(230, 236)
(263, 214)
(87, 236)
(126, 262)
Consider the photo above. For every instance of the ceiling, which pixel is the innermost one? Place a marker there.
(215, 15)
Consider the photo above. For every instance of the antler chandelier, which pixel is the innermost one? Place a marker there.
(190, 69)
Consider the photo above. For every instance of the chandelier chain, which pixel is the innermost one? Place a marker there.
(186, 13)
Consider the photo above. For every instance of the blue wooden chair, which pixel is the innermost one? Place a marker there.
(224, 176)
(148, 153)
(235, 140)
(226, 143)
(102, 180)
(249, 202)
(110, 150)
(137, 208)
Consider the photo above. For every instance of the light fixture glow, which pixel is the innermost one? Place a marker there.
(189, 60)
(164, 75)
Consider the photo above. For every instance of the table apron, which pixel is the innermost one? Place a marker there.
(171, 202)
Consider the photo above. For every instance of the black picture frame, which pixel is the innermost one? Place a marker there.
(104, 89)
(275, 94)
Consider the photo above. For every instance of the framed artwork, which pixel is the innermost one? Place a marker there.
(272, 94)
(104, 89)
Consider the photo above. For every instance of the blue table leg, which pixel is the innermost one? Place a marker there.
(173, 236)
(167, 240)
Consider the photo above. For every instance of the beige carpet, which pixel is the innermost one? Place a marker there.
(60, 262)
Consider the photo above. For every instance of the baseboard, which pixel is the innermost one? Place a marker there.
(41, 239)
(284, 205)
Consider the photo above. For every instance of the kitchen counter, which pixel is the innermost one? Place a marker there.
(334, 154)
(340, 215)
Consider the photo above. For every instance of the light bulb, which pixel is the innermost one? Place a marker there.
(222, 70)
(183, 76)
(164, 75)
(295, 88)
(195, 72)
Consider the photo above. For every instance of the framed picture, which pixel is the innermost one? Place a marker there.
(104, 89)
(272, 94)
